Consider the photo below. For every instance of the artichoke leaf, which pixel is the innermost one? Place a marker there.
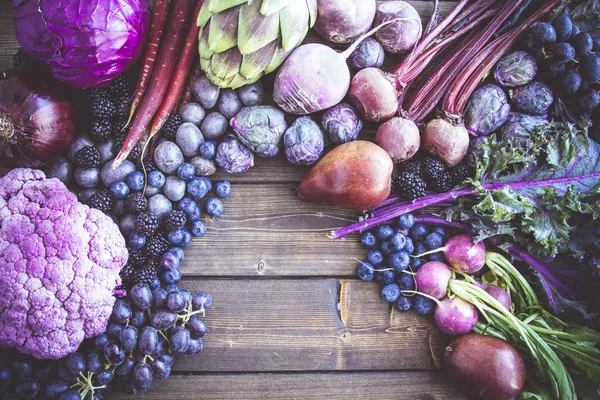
(217, 6)
(312, 9)
(277, 59)
(204, 15)
(293, 21)
(227, 64)
(269, 7)
(224, 30)
(253, 64)
(205, 52)
(255, 30)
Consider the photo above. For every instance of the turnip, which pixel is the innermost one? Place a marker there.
(446, 141)
(400, 138)
(497, 293)
(399, 37)
(462, 253)
(432, 279)
(454, 316)
(342, 21)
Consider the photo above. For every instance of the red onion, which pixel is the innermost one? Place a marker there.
(37, 119)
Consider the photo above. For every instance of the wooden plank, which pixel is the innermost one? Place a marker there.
(310, 325)
(266, 231)
(335, 386)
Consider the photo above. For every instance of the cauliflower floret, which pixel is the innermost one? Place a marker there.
(59, 263)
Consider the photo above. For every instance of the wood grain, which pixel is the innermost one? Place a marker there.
(332, 386)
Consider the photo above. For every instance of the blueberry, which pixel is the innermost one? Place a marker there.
(214, 207)
(208, 183)
(406, 221)
(406, 282)
(400, 261)
(439, 230)
(439, 256)
(375, 257)
(404, 303)
(223, 189)
(423, 305)
(409, 247)
(156, 179)
(190, 208)
(197, 188)
(420, 248)
(170, 261)
(155, 284)
(178, 252)
(385, 277)
(136, 241)
(176, 236)
(434, 241)
(208, 149)
(366, 271)
(368, 240)
(198, 228)
(416, 263)
(397, 241)
(384, 232)
(418, 231)
(385, 248)
(186, 171)
(390, 292)
(136, 180)
(171, 276)
(187, 239)
(119, 190)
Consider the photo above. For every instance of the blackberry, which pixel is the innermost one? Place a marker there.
(157, 245)
(175, 219)
(146, 223)
(127, 275)
(88, 157)
(170, 127)
(120, 87)
(137, 257)
(146, 274)
(409, 185)
(136, 202)
(413, 165)
(135, 153)
(122, 107)
(101, 200)
(459, 173)
(149, 164)
(102, 107)
(100, 130)
(22, 59)
(432, 169)
(443, 183)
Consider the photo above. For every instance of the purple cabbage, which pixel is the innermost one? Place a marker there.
(521, 125)
(233, 157)
(341, 123)
(515, 69)
(368, 54)
(304, 142)
(487, 110)
(260, 129)
(84, 43)
(533, 98)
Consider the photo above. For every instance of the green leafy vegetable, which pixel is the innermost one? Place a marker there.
(586, 15)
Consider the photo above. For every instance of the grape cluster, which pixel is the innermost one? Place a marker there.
(145, 331)
(569, 62)
(392, 262)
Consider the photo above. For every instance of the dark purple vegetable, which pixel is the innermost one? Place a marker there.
(341, 123)
(515, 69)
(37, 118)
(304, 142)
(487, 110)
(454, 316)
(260, 128)
(368, 54)
(521, 125)
(534, 98)
(233, 157)
(342, 21)
(401, 36)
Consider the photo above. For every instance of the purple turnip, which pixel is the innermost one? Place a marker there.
(342, 21)
(432, 279)
(497, 293)
(455, 316)
(462, 253)
(446, 141)
(400, 137)
(401, 36)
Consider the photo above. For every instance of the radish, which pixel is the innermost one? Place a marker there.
(497, 293)
(455, 316)
(462, 253)
(179, 19)
(432, 279)
(159, 19)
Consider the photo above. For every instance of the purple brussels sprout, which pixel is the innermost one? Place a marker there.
(260, 128)
(521, 125)
(368, 54)
(515, 69)
(341, 123)
(533, 98)
(304, 142)
(487, 110)
(233, 157)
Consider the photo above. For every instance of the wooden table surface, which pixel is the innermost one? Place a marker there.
(290, 319)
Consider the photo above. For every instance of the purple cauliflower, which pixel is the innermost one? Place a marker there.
(59, 263)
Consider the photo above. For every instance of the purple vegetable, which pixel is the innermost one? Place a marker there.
(515, 69)
(233, 157)
(401, 36)
(85, 43)
(454, 316)
(304, 142)
(341, 123)
(487, 110)
(463, 253)
(368, 54)
(432, 279)
(497, 293)
(533, 98)
(260, 128)
(521, 125)
(342, 21)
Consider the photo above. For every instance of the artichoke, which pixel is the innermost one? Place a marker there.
(241, 40)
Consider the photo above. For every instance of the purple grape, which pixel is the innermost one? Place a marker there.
(113, 353)
(141, 296)
(169, 358)
(21, 369)
(201, 300)
(121, 311)
(163, 319)
(27, 388)
(123, 371)
(75, 363)
(128, 338)
(112, 331)
(176, 302)
(179, 339)
(197, 327)
(99, 341)
(148, 340)
(56, 388)
(139, 318)
(103, 377)
(162, 370)
(141, 377)
(94, 361)
(159, 298)
(195, 346)
(69, 395)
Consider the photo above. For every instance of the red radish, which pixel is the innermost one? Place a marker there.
(182, 70)
(400, 137)
(454, 316)
(432, 279)
(462, 253)
(178, 21)
(497, 293)
(159, 19)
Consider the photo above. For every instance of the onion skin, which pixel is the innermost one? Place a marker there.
(342, 21)
(446, 141)
(485, 368)
(374, 95)
(38, 118)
